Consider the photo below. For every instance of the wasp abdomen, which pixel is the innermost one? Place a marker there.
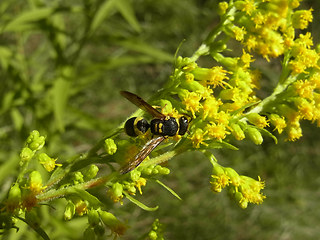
(136, 126)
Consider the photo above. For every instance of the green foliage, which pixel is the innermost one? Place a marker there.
(62, 66)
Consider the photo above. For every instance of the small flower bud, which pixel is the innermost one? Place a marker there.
(90, 172)
(255, 135)
(110, 146)
(14, 198)
(26, 154)
(242, 202)
(112, 222)
(223, 6)
(257, 120)
(237, 131)
(69, 211)
(135, 175)
(37, 143)
(153, 235)
(77, 177)
(164, 170)
(33, 135)
(93, 217)
(116, 192)
(234, 176)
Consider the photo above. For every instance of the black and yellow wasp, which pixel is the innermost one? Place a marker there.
(161, 126)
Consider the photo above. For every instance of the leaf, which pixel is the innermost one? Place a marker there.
(37, 229)
(8, 166)
(140, 204)
(127, 12)
(269, 134)
(85, 196)
(103, 13)
(169, 189)
(244, 107)
(221, 144)
(5, 57)
(17, 119)
(147, 49)
(60, 98)
(27, 20)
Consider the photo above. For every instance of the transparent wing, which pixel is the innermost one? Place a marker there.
(139, 102)
(144, 152)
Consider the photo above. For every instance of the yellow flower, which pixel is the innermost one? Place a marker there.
(197, 138)
(246, 59)
(304, 88)
(251, 188)
(305, 40)
(247, 6)
(215, 76)
(278, 122)
(294, 132)
(35, 182)
(217, 131)
(305, 108)
(315, 80)
(210, 107)
(218, 182)
(301, 18)
(192, 102)
(141, 182)
(48, 163)
(239, 33)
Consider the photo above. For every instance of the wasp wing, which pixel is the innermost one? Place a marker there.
(144, 152)
(139, 102)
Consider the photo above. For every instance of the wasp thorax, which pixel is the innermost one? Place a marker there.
(167, 127)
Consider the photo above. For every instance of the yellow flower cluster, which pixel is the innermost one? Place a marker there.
(243, 189)
(266, 27)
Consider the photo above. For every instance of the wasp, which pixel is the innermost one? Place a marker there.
(161, 127)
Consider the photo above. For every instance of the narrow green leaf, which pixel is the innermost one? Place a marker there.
(140, 204)
(85, 196)
(147, 49)
(17, 119)
(5, 57)
(244, 107)
(8, 166)
(37, 229)
(269, 134)
(169, 189)
(60, 90)
(27, 19)
(221, 144)
(126, 10)
(102, 14)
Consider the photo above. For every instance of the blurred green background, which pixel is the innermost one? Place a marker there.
(62, 65)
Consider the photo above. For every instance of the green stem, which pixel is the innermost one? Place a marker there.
(279, 89)
(52, 194)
